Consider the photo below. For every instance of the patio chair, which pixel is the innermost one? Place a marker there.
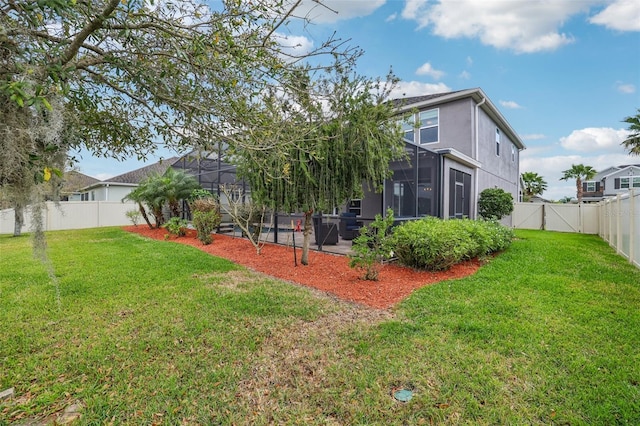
(326, 233)
(349, 226)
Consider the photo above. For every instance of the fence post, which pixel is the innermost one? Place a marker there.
(619, 224)
(632, 220)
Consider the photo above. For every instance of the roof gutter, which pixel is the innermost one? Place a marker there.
(475, 154)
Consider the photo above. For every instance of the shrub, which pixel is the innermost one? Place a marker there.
(371, 247)
(134, 216)
(206, 217)
(436, 244)
(495, 203)
(176, 226)
(500, 237)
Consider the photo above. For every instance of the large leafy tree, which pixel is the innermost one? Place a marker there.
(352, 140)
(534, 184)
(117, 76)
(632, 143)
(579, 172)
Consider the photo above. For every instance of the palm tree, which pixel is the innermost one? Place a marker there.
(136, 195)
(632, 143)
(578, 172)
(156, 191)
(534, 184)
(178, 186)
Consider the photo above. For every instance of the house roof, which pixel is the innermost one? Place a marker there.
(134, 177)
(480, 98)
(620, 169)
(403, 102)
(73, 181)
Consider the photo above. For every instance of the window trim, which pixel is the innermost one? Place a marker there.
(419, 126)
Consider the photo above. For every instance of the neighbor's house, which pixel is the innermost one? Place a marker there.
(118, 187)
(611, 182)
(72, 184)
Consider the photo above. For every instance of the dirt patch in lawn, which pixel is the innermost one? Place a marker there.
(326, 272)
(293, 363)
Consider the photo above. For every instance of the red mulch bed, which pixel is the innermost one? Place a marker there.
(326, 272)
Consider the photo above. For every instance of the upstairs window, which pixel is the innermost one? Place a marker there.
(513, 154)
(591, 187)
(630, 182)
(498, 142)
(428, 126)
(409, 128)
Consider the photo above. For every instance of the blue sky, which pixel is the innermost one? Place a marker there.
(564, 73)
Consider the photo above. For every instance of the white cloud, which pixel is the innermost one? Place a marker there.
(416, 88)
(469, 61)
(416, 10)
(594, 139)
(294, 45)
(625, 88)
(328, 11)
(522, 26)
(427, 69)
(510, 104)
(391, 17)
(533, 137)
(465, 75)
(621, 15)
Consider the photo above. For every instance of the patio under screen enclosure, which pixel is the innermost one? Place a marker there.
(412, 191)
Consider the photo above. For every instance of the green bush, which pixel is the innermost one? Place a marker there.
(205, 217)
(500, 236)
(435, 244)
(371, 247)
(495, 203)
(176, 226)
(134, 216)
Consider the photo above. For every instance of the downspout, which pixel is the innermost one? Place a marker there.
(106, 193)
(476, 157)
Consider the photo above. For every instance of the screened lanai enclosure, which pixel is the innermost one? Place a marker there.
(414, 190)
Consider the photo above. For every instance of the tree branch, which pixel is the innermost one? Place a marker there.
(88, 29)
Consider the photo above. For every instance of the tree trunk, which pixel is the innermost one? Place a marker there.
(579, 189)
(18, 212)
(144, 215)
(306, 237)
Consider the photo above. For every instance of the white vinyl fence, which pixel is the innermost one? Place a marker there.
(72, 215)
(616, 220)
(620, 225)
(580, 218)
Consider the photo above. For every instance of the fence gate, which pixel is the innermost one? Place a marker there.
(562, 218)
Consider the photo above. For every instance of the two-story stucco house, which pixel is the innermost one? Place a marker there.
(458, 144)
(611, 182)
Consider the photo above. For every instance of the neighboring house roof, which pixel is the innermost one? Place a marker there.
(481, 99)
(138, 175)
(620, 169)
(134, 177)
(74, 181)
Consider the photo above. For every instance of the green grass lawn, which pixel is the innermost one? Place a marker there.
(144, 332)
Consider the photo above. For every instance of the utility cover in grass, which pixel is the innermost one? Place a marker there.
(403, 395)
